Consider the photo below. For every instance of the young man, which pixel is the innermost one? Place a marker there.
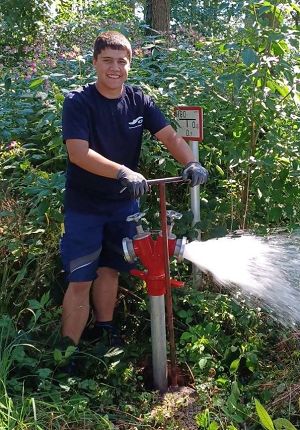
(103, 124)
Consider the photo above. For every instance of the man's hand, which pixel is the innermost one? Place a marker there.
(194, 172)
(133, 181)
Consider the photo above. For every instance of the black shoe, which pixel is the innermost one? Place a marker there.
(114, 338)
(107, 334)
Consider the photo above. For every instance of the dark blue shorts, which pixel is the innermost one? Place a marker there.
(93, 235)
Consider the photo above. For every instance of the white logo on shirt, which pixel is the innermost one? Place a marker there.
(137, 122)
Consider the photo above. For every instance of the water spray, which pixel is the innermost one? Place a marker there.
(263, 268)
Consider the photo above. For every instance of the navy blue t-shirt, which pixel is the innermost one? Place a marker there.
(113, 128)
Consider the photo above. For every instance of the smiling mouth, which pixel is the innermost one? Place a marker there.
(114, 76)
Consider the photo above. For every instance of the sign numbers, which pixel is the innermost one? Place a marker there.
(189, 122)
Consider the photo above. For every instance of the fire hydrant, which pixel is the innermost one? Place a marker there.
(151, 254)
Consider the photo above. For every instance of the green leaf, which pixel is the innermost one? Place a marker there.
(235, 391)
(213, 426)
(272, 85)
(202, 419)
(234, 365)
(282, 88)
(283, 424)
(36, 82)
(220, 170)
(182, 313)
(202, 363)
(44, 372)
(45, 298)
(249, 56)
(264, 417)
(70, 351)
(280, 48)
(18, 354)
(34, 304)
(276, 36)
(222, 381)
(251, 361)
(57, 355)
(186, 336)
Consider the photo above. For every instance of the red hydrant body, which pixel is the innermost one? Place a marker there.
(151, 254)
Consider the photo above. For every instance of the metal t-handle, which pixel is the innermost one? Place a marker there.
(171, 216)
(136, 218)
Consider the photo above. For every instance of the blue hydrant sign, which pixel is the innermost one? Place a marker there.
(189, 120)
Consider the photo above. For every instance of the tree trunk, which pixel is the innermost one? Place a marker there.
(157, 14)
(148, 12)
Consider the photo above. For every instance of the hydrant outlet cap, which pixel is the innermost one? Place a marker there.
(179, 248)
(128, 250)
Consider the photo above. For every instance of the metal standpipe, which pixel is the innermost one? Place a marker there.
(159, 344)
(195, 207)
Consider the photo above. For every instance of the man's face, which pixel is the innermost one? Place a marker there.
(112, 67)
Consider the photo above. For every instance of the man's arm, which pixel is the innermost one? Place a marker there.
(193, 171)
(88, 159)
(177, 147)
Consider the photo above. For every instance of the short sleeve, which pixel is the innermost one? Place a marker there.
(154, 119)
(74, 119)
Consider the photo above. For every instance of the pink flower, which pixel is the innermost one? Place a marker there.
(12, 145)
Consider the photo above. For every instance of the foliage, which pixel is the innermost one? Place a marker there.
(208, 18)
(20, 24)
(248, 86)
(246, 77)
(35, 389)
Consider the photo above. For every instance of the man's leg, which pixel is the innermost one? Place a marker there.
(104, 293)
(75, 310)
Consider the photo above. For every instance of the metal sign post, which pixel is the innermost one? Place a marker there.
(190, 127)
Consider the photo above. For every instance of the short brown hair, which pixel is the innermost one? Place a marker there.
(113, 40)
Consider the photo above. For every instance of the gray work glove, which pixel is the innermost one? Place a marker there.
(194, 172)
(133, 181)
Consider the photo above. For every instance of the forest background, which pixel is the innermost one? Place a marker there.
(239, 60)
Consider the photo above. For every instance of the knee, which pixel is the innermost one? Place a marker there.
(79, 289)
(107, 273)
